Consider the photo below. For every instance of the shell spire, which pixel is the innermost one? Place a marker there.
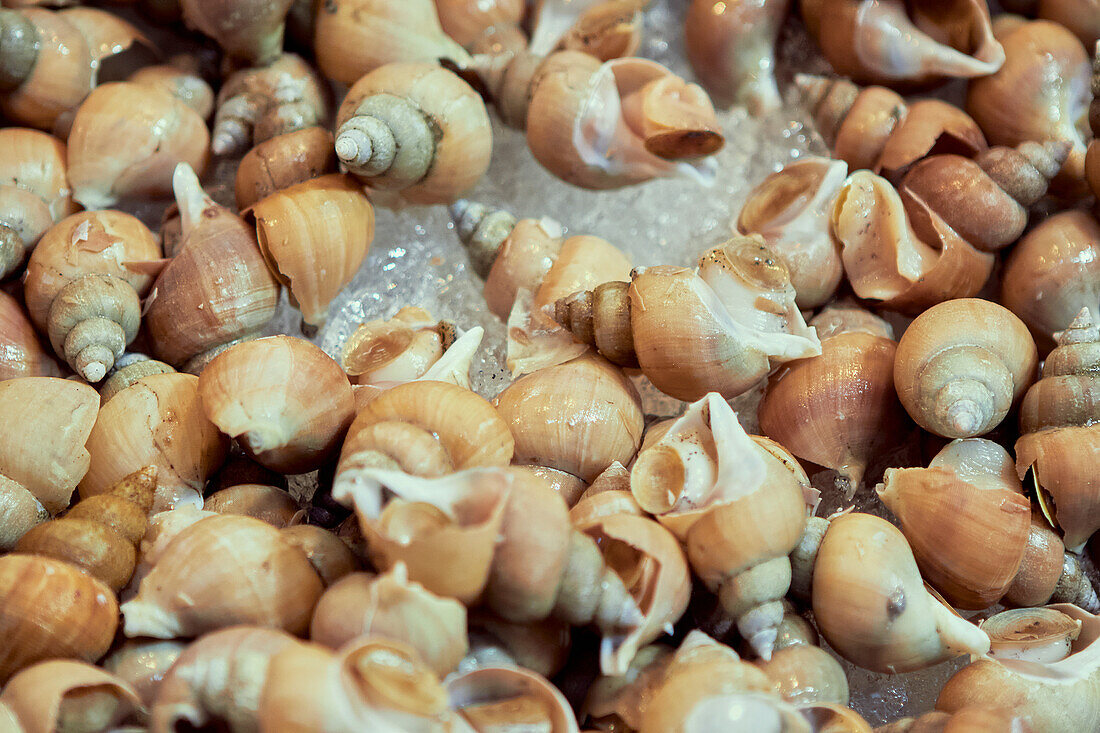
(828, 101)
(1025, 171)
(482, 230)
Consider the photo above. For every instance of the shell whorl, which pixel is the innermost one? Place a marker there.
(18, 48)
(1025, 172)
(482, 230)
(90, 322)
(387, 135)
(127, 372)
(828, 102)
(968, 403)
(601, 318)
(1069, 391)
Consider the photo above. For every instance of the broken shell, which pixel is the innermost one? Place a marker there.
(63, 695)
(731, 47)
(221, 571)
(115, 155)
(541, 407)
(871, 606)
(929, 127)
(790, 209)
(838, 409)
(283, 161)
(1053, 273)
(961, 383)
(286, 402)
(50, 609)
(970, 493)
(617, 124)
(216, 289)
(156, 421)
(720, 328)
(397, 350)
(844, 316)
(314, 236)
(392, 607)
(1018, 104)
(355, 37)
(47, 454)
(414, 128)
(904, 42)
(1042, 635)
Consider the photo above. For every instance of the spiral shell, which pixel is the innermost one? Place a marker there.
(314, 235)
(903, 42)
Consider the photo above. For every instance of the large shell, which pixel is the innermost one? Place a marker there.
(1063, 462)
(435, 123)
(251, 31)
(314, 235)
(616, 124)
(790, 209)
(355, 37)
(47, 453)
(221, 571)
(960, 380)
(731, 47)
(1053, 273)
(905, 42)
(966, 519)
(871, 606)
(50, 609)
(887, 260)
(126, 141)
(541, 409)
(287, 402)
(1059, 697)
(216, 288)
(1019, 103)
(157, 421)
(838, 409)
(68, 695)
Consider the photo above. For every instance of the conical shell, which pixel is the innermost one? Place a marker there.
(838, 409)
(222, 571)
(314, 236)
(871, 606)
(1068, 393)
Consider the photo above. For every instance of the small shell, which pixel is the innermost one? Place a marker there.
(329, 555)
(961, 382)
(314, 236)
(844, 316)
(790, 209)
(1053, 273)
(731, 47)
(397, 350)
(142, 664)
(541, 410)
(903, 42)
(616, 124)
(467, 21)
(286, 401)
(47, 453)
(838, 409)
(21, 353)
(266, 503)
(503, 698)
(156, 421)
(1018, 104)
(1042, 635)
(34, 163)
(221, 571)
(50, 609)
(355, 37)
(283, 161)
(252, 32)
(218, 677)
(20, 511)
(392, 607)
(67, 695)
(970, 494)
(886, 259)
(414, 128)
(855, 122)
(216, 289)
(115, 155)
(871, 607)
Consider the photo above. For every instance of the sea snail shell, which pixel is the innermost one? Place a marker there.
(720, 328)
(250, 31)
(1061, 440)
(737, 503)
(649, 123)
(905, 42)
(961, 366)
(414, 128)
(871, 606)
(63, 694)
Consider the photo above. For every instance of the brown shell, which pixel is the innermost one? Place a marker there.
(266, 503)
(50, 609)
(467, 21)
(1063, 462)
(251, 31)
(283, 161)
(314, 236)
(66, 695)
(930, 127)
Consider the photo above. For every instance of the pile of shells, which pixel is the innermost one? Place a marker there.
(918, 315)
